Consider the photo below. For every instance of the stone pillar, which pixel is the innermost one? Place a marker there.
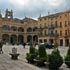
(9, 38)
(25, 38)
(63, 42)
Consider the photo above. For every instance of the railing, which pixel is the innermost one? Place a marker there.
(53, 34)
(51, 27)
(42, 35)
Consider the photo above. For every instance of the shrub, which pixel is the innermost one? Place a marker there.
(55, 60)
(56, 52)
(68, 52)
(42, 53)
(55, 44)
(67, 58)
(42, 56)
(31, 55)
(31, 49)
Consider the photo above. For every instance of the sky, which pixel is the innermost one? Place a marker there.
(33, 8)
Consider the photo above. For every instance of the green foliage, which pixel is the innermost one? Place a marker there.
(32, 54)
(68, 52)
(30, 57)
(42, 53)
(31, 49)
(55, 60)
(56, 52)
(67, 60)
(55, 44)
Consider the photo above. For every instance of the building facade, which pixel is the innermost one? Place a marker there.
(13, 30)
(51, 28)
(55, 27)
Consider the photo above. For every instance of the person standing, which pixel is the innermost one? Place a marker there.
(1, 46)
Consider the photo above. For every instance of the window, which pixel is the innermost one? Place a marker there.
(52, 33)
(29, 29)
(56, 17)
(66, 23)
(51, 18)
(60, 16)
(40, 41)
(45, 32)
(45, 25)
(61, 42)
(40, 26)
(60, 24)
(65, 15)
(35, 29)
(44, 18)
(66, 32)
(66, 42)
(45, 40)
(20, 29)
(56, 31)
(56, 24)
(60, 33)
(13, 28)
(5, 27)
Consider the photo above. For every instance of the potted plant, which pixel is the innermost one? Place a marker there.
(55, 60)
(31, 55)
(67, 58)
(42, 55)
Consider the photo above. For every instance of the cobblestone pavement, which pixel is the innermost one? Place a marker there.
(7, 64)
(21, 64)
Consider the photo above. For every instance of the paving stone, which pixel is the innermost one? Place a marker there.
(21, 64)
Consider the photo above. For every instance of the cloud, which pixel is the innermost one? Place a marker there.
(33, 8)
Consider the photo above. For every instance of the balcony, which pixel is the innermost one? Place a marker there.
(66, 35)
(56, 34)
(51, 27)
(53, 34)
(42, 35)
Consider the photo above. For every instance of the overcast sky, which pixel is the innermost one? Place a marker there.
(33, 8)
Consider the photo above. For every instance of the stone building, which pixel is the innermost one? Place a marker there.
(55, 27)
(13, 30)
(51, 28)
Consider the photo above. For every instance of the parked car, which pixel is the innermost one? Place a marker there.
(49, 45)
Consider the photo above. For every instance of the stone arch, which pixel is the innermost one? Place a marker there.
(29, 39)
(5, 38)
(6, 27)
(13, 39)
(13, 28)
(35, 38)
(29, 29)
(20, 39)
(20, 29)
(35, 29)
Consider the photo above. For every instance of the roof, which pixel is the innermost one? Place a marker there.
(56, 14)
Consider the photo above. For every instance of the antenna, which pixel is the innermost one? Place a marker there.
(48, 13)
(40, 15)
